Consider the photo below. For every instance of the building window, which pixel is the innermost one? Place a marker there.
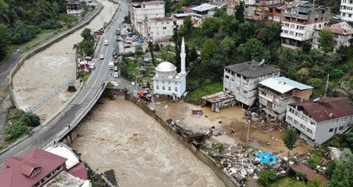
(309, 131)
(168, 82)
(341, 127)
(302, 126)
(295, 122)
(163, 88)
(290, 118)
(176, 89)
(169, 88)
(164, 28)
(157, 87)
(331, 130)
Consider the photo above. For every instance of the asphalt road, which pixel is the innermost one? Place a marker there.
(81, 104)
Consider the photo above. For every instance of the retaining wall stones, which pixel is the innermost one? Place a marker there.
(227, 179)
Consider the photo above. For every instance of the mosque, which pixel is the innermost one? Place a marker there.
(167, 81)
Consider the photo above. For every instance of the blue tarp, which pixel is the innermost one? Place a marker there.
(266, 158)
(140, 41)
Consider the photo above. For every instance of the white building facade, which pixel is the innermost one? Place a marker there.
(319, 121)
(299, 23)
(342, 31)
(167, 81)
(346, 10)
(140, 12)
(159, 28)
(201, 12)
(242, 80)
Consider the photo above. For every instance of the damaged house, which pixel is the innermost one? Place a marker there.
(276, 93)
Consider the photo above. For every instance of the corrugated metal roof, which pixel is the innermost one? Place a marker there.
(181, 15)
(204, 7)
(283, 84)
(327, 108)
(341, 28)
(219, 96)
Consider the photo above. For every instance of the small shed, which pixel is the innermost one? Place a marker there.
(335, 153)
(309, 173)
(218, 101)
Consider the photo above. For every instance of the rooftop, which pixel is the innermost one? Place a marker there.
(204, 7)
(165, 67)
(181, 15)
(66, 152)
(310, 174)
(152, 2)
(219, 96)
(23, 171)
(252, 69)
(283, 84)
(161, 19)
(341, 28)
(327, 108)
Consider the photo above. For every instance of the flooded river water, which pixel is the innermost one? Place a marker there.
(118, 135)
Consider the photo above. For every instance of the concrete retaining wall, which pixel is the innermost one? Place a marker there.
(227, 179)
(43, 47)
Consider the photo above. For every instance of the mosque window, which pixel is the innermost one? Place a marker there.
(163, 88)
(169, 88)
(157, 87)
(176, 89)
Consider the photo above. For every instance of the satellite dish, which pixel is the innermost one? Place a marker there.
(262, 62)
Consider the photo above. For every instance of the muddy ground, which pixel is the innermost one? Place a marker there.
(50, 68)
(225, 121)
(118, 135)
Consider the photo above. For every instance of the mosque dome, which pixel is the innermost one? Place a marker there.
(165, 67)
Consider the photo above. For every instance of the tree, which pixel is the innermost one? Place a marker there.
(315, 82)
(207, 52)
(326, 41)
(343, 173)
(192, 55)
(167, 6)
(22, 32)
(289, 138)
(331, 166)
(303, 72)
(239, 12)
(4, 41)
(187, 25)
(209, 26)
(150, 46)
(30, 120)
(86, 34)
(253, 49)
(266, 177)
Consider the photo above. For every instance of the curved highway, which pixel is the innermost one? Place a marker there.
(84, 101)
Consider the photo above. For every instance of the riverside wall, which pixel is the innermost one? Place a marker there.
(223, 176)
(45, 45)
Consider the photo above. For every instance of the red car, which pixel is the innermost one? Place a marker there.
(98, 33)
(129, 42)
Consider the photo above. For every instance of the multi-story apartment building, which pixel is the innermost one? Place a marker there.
(75, 7)
(231, 6)
(342, 31)
(276, 93)
(258, 9)
(201, 12)
(299, 22)
(179, 18)
(158, 28)
(347, 10)
(320, 120)
(275, 13)
(140, 12)
(242, 80)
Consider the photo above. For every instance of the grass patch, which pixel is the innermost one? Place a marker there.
(195, 96)
(36, 42)
(85, 76)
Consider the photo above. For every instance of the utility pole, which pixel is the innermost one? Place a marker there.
(328, 76)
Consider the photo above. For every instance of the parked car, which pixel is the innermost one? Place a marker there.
(129, 42)
(118, 39)
(92, 66)
(115, 84)
(106, 42)
(116, 74)
(116, 69)
(102, 30)
(101, 57)
(98, 33)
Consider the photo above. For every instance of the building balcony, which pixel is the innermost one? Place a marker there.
(298, 16)
(298, 38)
(266, 97)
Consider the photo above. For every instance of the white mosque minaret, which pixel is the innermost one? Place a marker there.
(167, 81)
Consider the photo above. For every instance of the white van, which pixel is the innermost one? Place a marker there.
(111, 65)
(106, 42)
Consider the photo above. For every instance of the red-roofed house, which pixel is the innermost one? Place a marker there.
(319, 120)
(309, 173)
(342, 31)
(35, 168)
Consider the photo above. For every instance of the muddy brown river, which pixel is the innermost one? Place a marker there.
(118, 135)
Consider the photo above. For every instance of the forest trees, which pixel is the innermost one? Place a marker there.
(86, 46)
(4, 40)
(326, 41)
